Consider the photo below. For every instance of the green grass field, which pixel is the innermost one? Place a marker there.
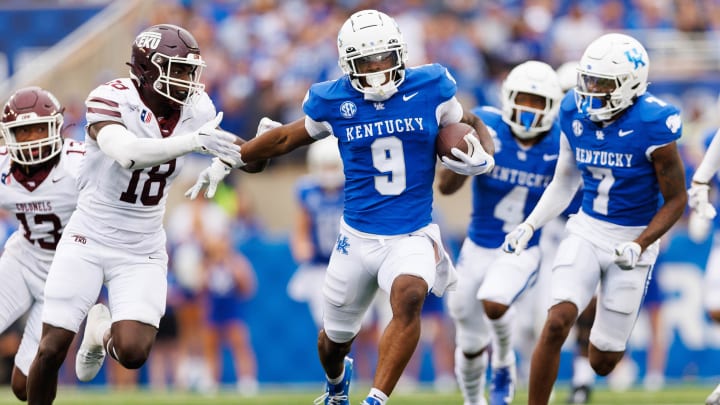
(677, 395)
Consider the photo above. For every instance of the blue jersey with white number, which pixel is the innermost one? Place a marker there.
(387, 148)
(620, 185)
(503, 198)
(325, 209)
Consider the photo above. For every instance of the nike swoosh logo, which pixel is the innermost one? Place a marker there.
(407, 97)
(58, 179)
(548, 158)
(622, 133)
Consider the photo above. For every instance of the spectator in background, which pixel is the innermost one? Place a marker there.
(229, 282)
(573, 31)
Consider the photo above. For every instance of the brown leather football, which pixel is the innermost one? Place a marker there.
(451, 136)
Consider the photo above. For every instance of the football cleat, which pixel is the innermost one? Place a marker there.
(370, 401)
(502, 386)
(580, 395)
(338, 394)
(90, 356)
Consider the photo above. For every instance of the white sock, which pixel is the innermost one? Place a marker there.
(583, 373)
(470, 374)
(503, 354)
(379, 395)
(338, 380)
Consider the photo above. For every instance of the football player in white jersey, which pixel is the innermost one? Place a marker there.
(700, 224)
(138, 131)
(39, 186)
(619, 142)
(386, 117)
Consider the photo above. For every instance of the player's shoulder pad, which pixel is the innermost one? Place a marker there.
(328, 90)
(432, 75)
(73, 152)
(118, 91)
(321, 94)
(489, 114)
(654, 109)
(204, 109)
(568, 102)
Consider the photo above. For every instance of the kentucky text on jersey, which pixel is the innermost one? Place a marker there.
(39, 206)
(603, 158)
(390, 127)
(520, 177)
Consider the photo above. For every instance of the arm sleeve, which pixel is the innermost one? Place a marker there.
(139, 153)
(561, 190)
(449, 112)
(710, 162)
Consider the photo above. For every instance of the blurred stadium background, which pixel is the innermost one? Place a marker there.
(263, 54)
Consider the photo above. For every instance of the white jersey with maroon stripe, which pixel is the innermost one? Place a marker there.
(42, 208)
(126, 200)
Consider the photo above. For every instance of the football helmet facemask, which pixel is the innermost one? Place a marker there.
(166, 58)
(325, 164)
(370, 36)
(536, 78)
(612, 73)
(31, 106)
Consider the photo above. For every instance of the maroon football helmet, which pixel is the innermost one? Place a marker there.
(28, 106)
(160, 49)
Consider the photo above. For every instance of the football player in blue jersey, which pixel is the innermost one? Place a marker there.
(619, 142)
(527, 140)
(386, 117)
(700, 224)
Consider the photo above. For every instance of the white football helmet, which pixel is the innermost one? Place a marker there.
(372, 35)
(612, 72)
(536, 78)
(325, 164)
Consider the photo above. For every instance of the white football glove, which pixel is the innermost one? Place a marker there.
(699, 201)
(627, 255)
(517, 240)
(265, 125)
(212, 141)
(699, 227)
(211, 176)
(475, 162)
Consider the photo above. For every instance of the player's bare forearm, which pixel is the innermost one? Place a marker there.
(276, 142)
(449, 181)
(482, 131)
(670, 174)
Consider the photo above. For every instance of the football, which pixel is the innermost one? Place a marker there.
(451, 136)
